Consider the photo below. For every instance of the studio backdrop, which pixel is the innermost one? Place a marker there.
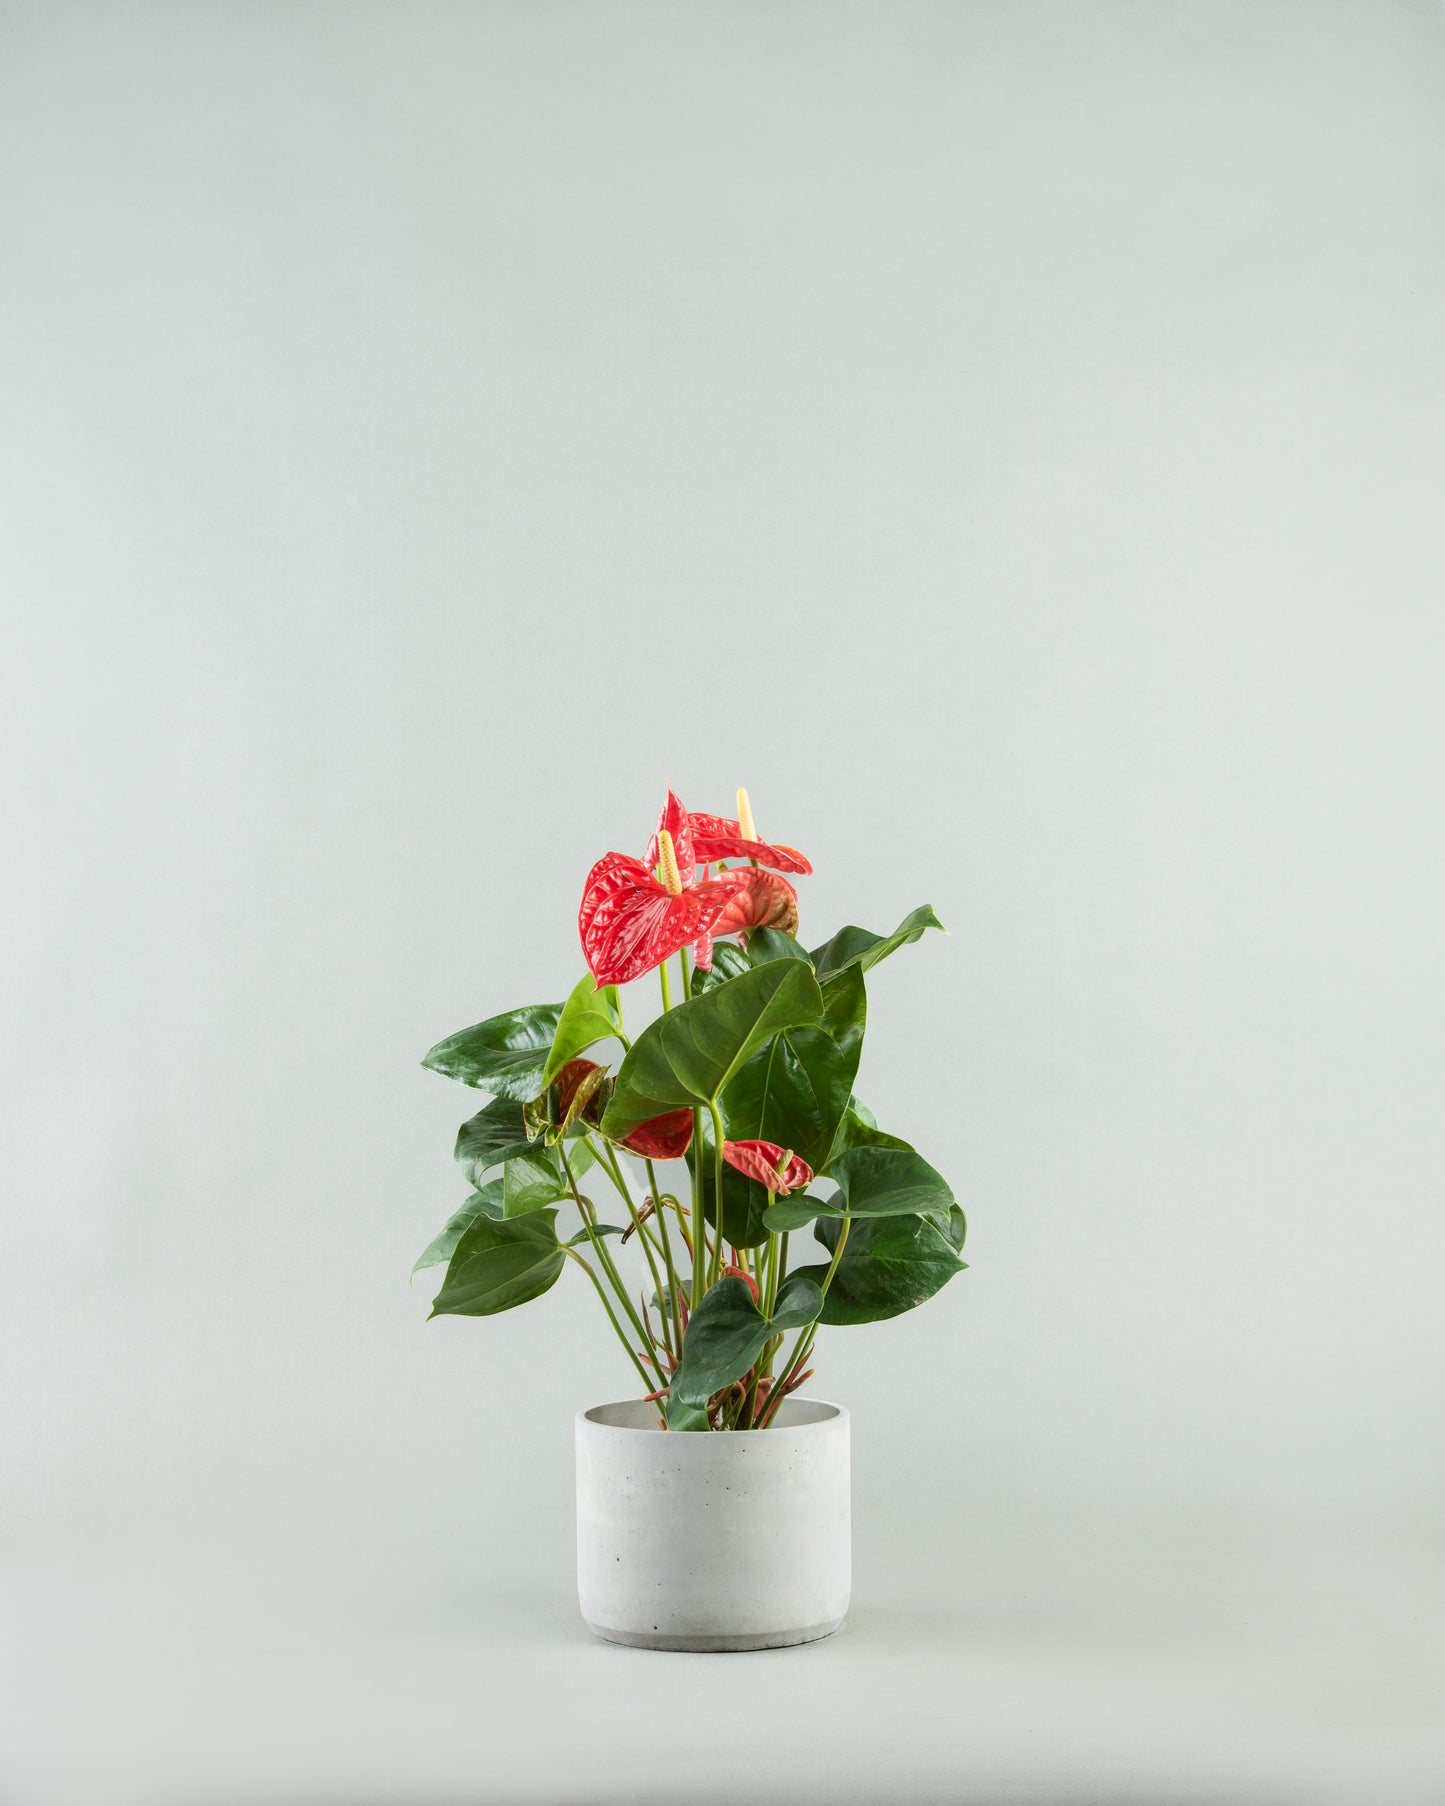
(1007, 439)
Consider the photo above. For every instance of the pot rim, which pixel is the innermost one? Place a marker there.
(835, 1414)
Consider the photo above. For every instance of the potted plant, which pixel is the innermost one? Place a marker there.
(713, 1508)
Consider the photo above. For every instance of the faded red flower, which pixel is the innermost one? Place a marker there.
(763, 900)
(780, 1169)
(570, 1080)
(663, 1137)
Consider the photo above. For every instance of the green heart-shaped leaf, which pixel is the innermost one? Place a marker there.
(728, 962)
(494, 1134)
(875, 1180)
(536, 1178)
(859, 1129)
(687, 1056)
(496, 1266)
(799, 1210)
(885, 1182)
(952, 1225)
(582, 1236)
(588, 1016)
(795, 1090)
(724, 1337)
(766, 944)
(484, 1203)
(505, 1055)
(889, 1265)
(850, 946)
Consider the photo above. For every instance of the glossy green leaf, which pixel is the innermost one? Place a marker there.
(860, 946)
(505, 1055)
(952, 1225)
(532, 1181)
(798, 1211)
(794, 1091)
(602, 1229)
(765, 944)
(848, 944)
(889, 1265)
(496, 1266)
(536, 1179)
(588, 1016)
(882, 1181)
(875, 1180)
(859, 1129)
(724, 1337)
(687, 1056)
(494, 1134)
(484, 1203)
(728, 962)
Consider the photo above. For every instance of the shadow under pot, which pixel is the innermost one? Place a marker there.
(713, 1540)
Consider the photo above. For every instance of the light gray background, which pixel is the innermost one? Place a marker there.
(1007, 438)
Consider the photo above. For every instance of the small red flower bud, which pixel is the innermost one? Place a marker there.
(747, 1279)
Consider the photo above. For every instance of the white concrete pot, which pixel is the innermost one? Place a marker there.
(713, 1540)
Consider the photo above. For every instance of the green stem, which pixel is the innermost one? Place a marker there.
(648, 1385)
(607, 1160)
(599, 1247)
(666, 993)
(803, 1347)
(717, 1141)
(660, 1211)
(612, 1166)
(699, 1221)
(837, 1255)
(779, 1391)
(768, 1268)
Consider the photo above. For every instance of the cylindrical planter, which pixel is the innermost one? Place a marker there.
(713, 1540)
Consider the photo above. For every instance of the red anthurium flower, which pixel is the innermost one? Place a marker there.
(779, 1169)
(630, 922)
(632, 919)
(661, 1137)
(678, 823)
(715, 837)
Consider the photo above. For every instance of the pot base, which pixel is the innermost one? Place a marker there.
(709, 1643)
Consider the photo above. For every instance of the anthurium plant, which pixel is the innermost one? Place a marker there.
(729, 1126)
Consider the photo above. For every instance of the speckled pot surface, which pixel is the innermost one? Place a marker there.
(713, 1541)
